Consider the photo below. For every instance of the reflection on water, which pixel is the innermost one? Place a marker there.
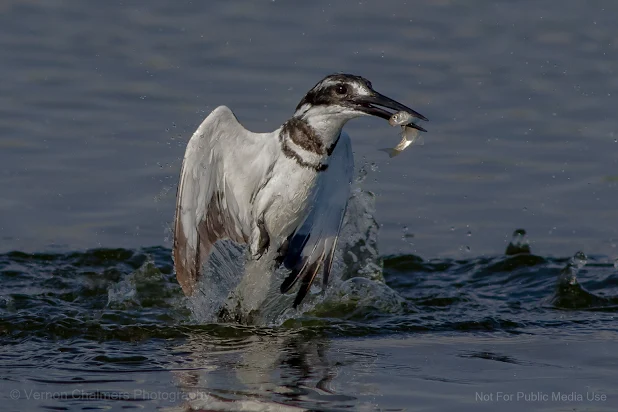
(272, 370)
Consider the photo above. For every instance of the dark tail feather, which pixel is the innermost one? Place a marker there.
(292, 254)
(308, 278)
(294, 276)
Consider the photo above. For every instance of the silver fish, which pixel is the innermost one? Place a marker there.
(409, 135)
(409, 132)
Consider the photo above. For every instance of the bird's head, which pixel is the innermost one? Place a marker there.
(341, 97)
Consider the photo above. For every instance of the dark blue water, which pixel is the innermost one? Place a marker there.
(98, 100)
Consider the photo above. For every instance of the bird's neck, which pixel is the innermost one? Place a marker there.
(310, 141)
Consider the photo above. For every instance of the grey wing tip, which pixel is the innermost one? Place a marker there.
(328, 263)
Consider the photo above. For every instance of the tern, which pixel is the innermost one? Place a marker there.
(284, 191)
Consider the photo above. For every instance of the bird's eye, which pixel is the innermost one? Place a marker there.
(341, 89)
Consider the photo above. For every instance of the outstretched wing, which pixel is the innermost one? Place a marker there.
(312, 246)
(223, 167)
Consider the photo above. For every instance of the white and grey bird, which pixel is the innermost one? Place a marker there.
(283, 191)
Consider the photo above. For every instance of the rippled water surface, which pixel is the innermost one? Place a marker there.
(98, 100)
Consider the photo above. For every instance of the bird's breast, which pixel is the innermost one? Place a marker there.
(289, 195)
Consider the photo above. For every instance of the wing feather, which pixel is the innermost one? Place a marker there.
(313, 244)
(220, 172)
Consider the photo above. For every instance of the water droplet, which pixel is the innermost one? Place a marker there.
(616, 264)
(525, 209)
(452, 229)
(374, 167)
(469, 233)
(362, 174)
(579, 260)
(406, 235)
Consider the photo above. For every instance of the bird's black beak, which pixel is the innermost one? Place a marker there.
(373, 104)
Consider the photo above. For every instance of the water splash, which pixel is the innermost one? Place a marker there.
(220, 277)
(358, 250)
(570, 294)
(361, 297)
(123, 294)
(579, 260)
(144, 287)
(519, 244)
(568, 275)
